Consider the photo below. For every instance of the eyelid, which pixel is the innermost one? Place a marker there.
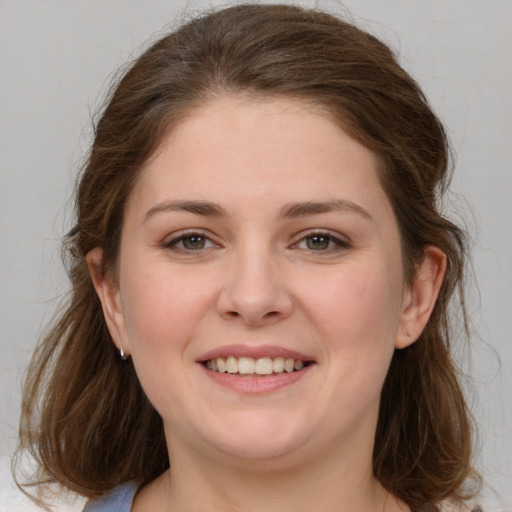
(342, 242)
(173, 239)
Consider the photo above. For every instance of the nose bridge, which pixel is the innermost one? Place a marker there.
(254, 289)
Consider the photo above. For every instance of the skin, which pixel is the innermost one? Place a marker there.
(257, 278)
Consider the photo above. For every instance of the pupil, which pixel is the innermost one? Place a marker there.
(193, 242)
(318, 242)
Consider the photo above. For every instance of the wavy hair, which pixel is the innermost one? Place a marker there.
(85, 418)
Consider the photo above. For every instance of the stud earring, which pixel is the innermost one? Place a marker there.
(409, 335)
(123, 356)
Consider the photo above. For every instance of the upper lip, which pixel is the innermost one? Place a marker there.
(254, 351)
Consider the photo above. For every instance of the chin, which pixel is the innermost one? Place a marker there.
(270, 457)
(261, 438)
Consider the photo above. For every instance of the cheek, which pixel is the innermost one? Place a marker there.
(161, 307)
(162, 311)
(353, 302)
(356, 314)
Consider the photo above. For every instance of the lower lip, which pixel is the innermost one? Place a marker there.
(257, 385)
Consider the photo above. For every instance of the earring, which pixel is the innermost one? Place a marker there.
(409, 335)
(123, 356)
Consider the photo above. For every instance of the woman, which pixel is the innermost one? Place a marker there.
(261, 280)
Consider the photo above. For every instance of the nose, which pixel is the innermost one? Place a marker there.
(254, 291)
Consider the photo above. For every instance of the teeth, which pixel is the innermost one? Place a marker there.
(298, 365)
(232, 365)
(264, 366)
(221, 365)
(250, 366)
(212, 365)
(246, 365)
(278, 364)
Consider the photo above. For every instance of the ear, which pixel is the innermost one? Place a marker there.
(421, 296)
(108, 293)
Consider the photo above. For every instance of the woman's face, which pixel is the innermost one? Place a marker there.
(260, 234)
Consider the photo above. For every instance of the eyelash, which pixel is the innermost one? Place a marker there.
(339, 245)
(187, 235)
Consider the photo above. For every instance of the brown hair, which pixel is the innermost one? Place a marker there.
(85, 418)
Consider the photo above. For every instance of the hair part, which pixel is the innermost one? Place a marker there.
(85, 418)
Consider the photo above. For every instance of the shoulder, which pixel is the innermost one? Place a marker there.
(118, 499)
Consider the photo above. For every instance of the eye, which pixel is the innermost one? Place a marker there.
(318, 242)
(190, 241)
(321, 242)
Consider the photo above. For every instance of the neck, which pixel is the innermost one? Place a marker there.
(217, 483)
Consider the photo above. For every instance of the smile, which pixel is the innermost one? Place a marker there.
(263, 366)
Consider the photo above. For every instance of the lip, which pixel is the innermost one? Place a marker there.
(255, 352)
(256, 385)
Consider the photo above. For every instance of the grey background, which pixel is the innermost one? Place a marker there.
(56, 58)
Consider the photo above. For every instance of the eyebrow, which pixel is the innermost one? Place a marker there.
(303, 209)
(289, 211)
(205, 208)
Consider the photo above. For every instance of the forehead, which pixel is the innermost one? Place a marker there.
(240, 150)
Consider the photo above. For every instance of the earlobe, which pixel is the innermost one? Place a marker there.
(108, 293)
(421, 296)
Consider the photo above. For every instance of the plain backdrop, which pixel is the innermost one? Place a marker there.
(56, 59)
